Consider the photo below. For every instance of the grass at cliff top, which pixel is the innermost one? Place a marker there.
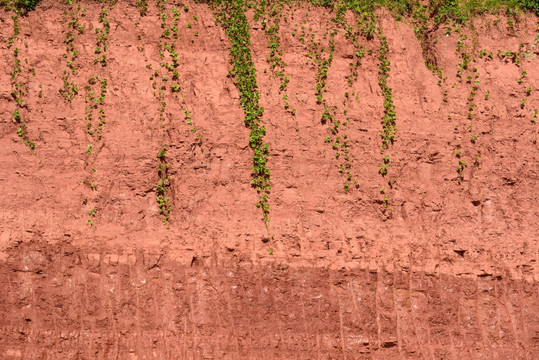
(455, 9)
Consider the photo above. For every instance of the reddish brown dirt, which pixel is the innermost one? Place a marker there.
(448, 271)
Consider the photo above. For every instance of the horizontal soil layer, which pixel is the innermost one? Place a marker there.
(68, 303)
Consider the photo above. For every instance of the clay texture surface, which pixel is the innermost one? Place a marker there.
(447, 271)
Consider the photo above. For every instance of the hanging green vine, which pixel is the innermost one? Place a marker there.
(231, 16)
(18, 87)
(72, 17)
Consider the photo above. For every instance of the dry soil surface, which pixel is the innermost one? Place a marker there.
(447, 271)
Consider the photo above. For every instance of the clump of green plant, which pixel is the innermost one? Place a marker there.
(271, 26)
(87, 182)
(353, 34)
(19, 6)
(172, 60)
(142, 5)
(389, 120)
(340, 143)
(102, 36)
(18, 88)
(460, 171)
(96, 90)
(231, 16)
(323, 64)
(472, 76)
(163, 200)
(534, 117)
(189, 121)
(166, 83)
(92, 213)
(21, 131)
(70, 90)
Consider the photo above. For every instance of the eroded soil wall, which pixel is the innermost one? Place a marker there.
(447, 270)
